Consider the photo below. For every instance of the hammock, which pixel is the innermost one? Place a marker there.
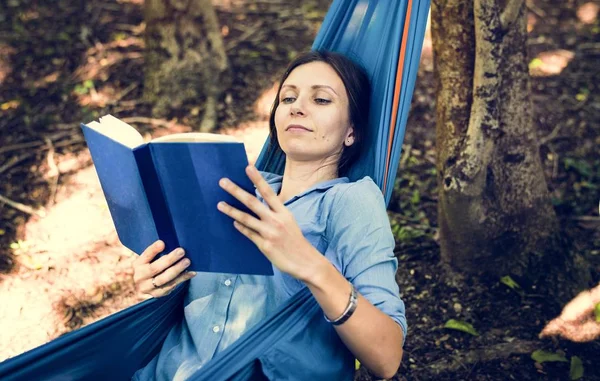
(386, 38)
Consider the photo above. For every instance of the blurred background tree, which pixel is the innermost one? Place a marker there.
(185, 59)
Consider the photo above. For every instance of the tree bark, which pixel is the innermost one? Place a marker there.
(185, 59)
(494, 212)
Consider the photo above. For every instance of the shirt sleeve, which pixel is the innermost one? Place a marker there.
(361, 245)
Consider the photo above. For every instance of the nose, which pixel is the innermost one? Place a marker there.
(296, 111)
(297, 108)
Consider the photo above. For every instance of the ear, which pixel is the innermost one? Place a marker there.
(349, 137)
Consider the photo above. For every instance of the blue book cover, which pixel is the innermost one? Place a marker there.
(168, 189)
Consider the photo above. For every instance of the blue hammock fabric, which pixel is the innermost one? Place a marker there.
(386, 38)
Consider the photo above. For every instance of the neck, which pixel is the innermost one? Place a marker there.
(300, 176)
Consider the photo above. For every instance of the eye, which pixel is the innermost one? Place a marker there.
(287, 99)
(322, 101)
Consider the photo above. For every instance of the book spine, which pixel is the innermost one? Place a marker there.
(154, 192)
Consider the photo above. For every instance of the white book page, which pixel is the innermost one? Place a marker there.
(118, 131)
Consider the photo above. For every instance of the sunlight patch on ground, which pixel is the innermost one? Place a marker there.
(71, 255)
(550, 63)
(588, 13)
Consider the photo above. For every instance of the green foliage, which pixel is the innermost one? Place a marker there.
(509, 282)
(119, 36)
(582, 186)
(535, 63)
(461, 326)
(84, 88)
(404, 233)
(541, 356)
(414, 195)
(576, 370)
(582, 167)
(19, 246)
(583, 94)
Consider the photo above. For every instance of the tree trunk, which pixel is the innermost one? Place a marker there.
(185, 60)
(494, 212)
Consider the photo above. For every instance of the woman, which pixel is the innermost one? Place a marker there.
(317, 228)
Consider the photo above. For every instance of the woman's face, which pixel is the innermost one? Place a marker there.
(312, 119)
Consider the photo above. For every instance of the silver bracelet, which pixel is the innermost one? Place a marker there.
(349, 308)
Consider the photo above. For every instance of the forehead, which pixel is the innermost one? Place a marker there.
(315, 73)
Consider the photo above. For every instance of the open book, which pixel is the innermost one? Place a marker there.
(168, 189)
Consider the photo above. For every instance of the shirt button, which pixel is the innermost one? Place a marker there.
(228, 282)
(216, 329)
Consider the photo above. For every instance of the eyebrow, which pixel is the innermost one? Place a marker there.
(312, 87)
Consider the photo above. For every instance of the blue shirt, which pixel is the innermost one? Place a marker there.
(345, 221)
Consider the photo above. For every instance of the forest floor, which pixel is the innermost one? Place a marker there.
(62, 267)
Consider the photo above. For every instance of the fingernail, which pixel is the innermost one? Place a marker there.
(223, 182)
(180, 253)
(192, 274)
(186, 262)
(220, 205)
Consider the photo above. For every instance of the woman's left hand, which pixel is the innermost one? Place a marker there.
(275, 231)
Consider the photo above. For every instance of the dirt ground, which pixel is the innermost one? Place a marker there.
(62, 267)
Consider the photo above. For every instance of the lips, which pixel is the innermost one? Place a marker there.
(297, 127)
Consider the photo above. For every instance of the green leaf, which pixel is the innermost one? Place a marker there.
(576, 371)
(535, 63)
(541, 356)
(356, 364)
(461, 326)
(581, 166)
(406, 234)
(597, 312)
(416, 197)
(81, 90)
(119, 36)
(581, 97)
(508, 281)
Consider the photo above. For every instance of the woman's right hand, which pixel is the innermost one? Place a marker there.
(158, 278)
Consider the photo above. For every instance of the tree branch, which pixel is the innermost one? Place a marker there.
(22, 207)
(510, 13)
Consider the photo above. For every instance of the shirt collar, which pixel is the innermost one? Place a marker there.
(275, 182)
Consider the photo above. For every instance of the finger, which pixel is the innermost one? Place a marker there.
(264, 189)
(243, 218)
(164, 262)
(251, 234)
(167, 288)
(245, 198)
(152, 251)
(171, 273)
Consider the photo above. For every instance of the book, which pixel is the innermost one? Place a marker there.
(168, 189)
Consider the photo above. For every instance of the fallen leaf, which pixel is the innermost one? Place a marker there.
(541, 356)
(461, 326)
(576, 370)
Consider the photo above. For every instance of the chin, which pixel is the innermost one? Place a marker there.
(297, 152)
